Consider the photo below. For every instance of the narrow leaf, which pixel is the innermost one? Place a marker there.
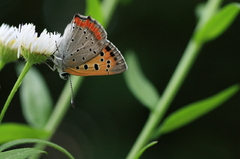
(94, 9)
(20, 153)
(218, 23)
(24, 141)
(35, 99)
(191, 112)
(139, 85)
(139, 154)
(13, 131)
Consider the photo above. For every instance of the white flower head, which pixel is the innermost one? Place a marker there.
(8, 36)
(8, 44)
(44, 45)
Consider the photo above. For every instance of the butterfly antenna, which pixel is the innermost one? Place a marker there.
(72, 98)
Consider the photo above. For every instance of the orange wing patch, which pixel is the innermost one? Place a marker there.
(89, 23)
(102, 64)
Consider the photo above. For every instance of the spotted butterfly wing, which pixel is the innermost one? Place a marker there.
(85, 51)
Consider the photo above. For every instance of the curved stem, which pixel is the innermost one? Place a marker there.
(62, 104)
(168, 95)
(15, 88)
(173, 86)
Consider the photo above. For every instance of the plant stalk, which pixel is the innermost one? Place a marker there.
(174, 84)
(15, 88)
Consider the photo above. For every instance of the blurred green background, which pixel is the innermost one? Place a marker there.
(107, 118)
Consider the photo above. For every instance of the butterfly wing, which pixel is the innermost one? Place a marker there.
(108, 62)
(81, 40)
(85, 50)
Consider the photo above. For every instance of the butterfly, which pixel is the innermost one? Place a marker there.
(84, 50)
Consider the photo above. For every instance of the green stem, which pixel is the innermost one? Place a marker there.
(168, 95)
(15, 88)
(173, 86)
(64, 99)
(210, 9)
(62, 105)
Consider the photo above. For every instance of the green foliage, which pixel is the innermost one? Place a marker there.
(144, 149)
(35, 98)
(218, 24)
(13, 131)
(139, 85)
(37, 103)
(24, 141)
(94, 10)
(191, 112)
(212, 23)
(20, 153)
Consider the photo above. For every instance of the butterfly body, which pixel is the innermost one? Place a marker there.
(84, 50)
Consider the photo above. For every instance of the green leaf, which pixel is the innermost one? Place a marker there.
(35, 99)
(94, 9)
(24, 141)
(139, 85)
(218, 23)
(139, 154)
(13, 131)
(20, 153)
(191, 112)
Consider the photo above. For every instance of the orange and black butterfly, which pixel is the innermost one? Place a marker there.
(84, 50)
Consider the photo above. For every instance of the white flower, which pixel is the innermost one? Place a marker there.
(8, 36)
(29, 41)
(8, 44)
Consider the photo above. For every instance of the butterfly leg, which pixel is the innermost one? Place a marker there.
(52, 68)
